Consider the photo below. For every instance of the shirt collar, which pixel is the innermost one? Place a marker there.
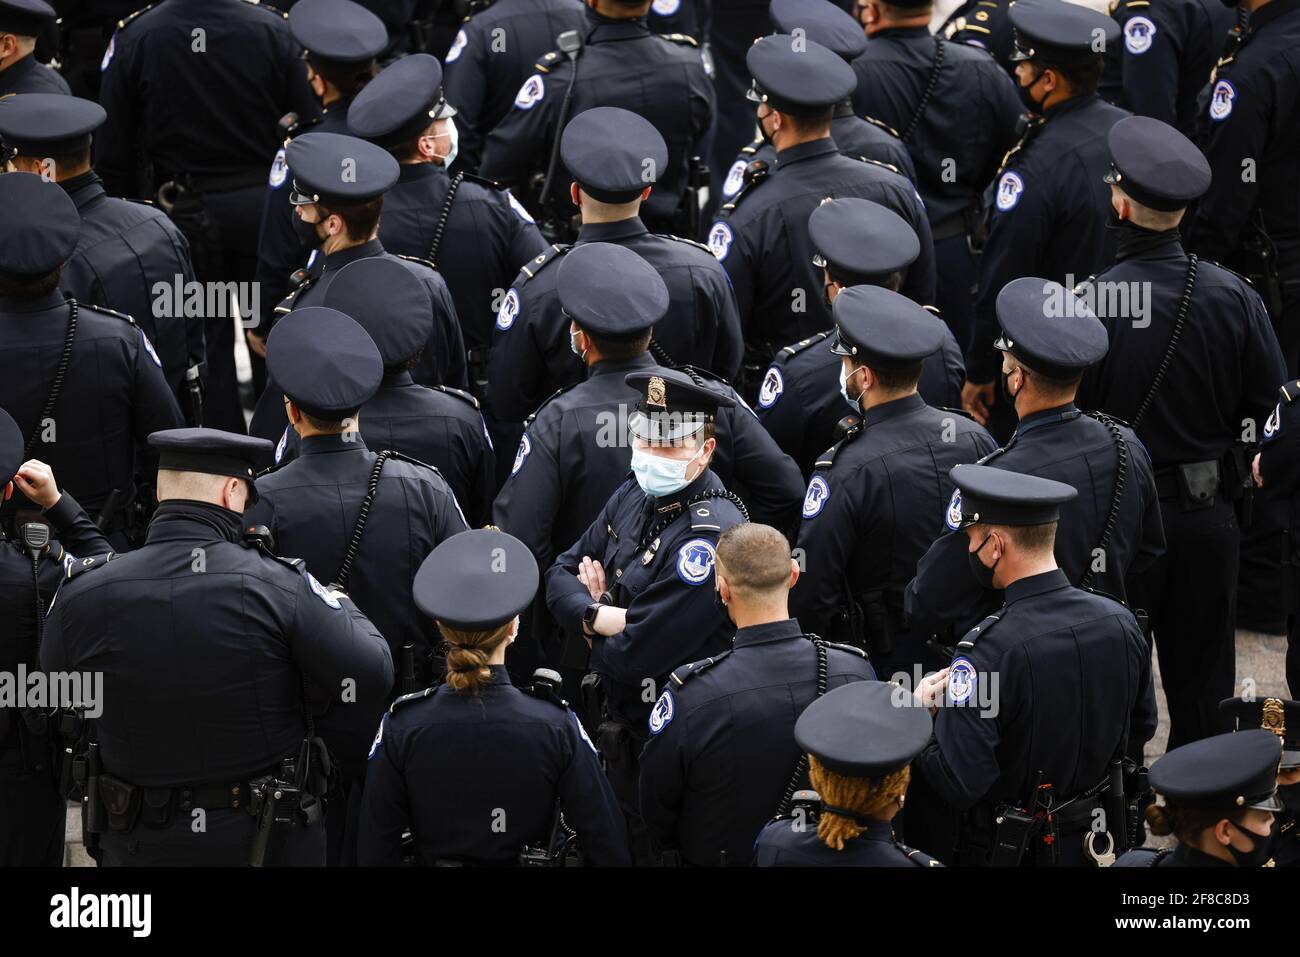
(612, 28)
(395, 380)
(317, 444)
(1034, 585)
(895, 407)
(412, 172)
(704, 480)
(341, 257)
(611, 232)
(1069, 410)
(621, 366)
(803, 151)
(1073, 103)
(769, 631)
(51, 300)
(83, 189)
(902, 32)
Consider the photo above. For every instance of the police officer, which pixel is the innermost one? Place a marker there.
(636, 583)
(125, 249)
(1049, 203)
(761, 236)
(84, 384)
(860, 740)
(873, 503)
(609, 152)
(1112, 530)
(31, 566)
(1192, 369)
(1025, 760)
(492, 53)
(455, 762)
(1220, 802)
(1169, 49)
(84, 29)
(721, 759)
(194, 129)
(614, 61)
(1252, 123)
(213, 732)
(474, 231)
(958, 114)
(857, 136)
(984, 24)
(1277, 470)
(574, 452)
(341, 40)
(1282, 717)
(856, 242)
(339, 182)
(21, 22)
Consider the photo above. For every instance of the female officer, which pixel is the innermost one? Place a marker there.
(860, 739)
(1220, 795)
(476, 769)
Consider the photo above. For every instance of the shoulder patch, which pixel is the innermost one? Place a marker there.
(458, 393)
(531, 93)
(815, 498)
(1139, 32)
(320, 591)
(661, 715)
(695, 561)
(148, 347)
(665, 8)
(961, 681)
(583, 732)
(408, 698)
(519, 209)
(379, 737)
(1222, 100)
(457, 47)
(771, 389)
(952, 518)
(508, 311)
(282, 444)
(1273, 424)
(735, 178)
(1010, 186)
(720, 237)
(521, 456)
(685, 673)
(279, 171)
(109, 51)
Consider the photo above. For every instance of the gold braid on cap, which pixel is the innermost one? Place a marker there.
(1274, 717)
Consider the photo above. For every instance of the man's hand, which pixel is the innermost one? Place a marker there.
(593, 577)
(1254, 471)
(36, 480)
(930, 691)
(255, 342)
(977, 399)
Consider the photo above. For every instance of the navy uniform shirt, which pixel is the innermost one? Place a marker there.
(1253, 114)
(1226, 367)
(113, 395)
(29, 75)
(1048, 214)
(671, 615)
(492, 55)
(874, 503)
(1169, 48)
(984, 24)
(443, 361)
(124, 250)
(762, 239)
(1064, 445)
(311, 507)
(439, 425)
(800, 404)
(1073, 675)
(722, 749)
(210, 114)
(447, 765)
(1178, 856)
(203, 669)
(781, 845)
(967, 125)
(531, 355)
(488, 238)
(856, 136)
(1279, 457)
(622, 63)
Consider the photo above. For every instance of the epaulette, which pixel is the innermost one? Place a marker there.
(485, 183)
(458, 393)
(884, 126)
(968, 642)
(411, 460)
(1290, 391)
(143, 202)
(1130, 5)
(881, 163)
(798, 347)
(415, 259)
(827, 458)
(851, 649)
(547, 401)
(1078, 289)
(538, 263)
(686, 672)
(111, 312)
(919, 858)
(689, 242)
(683, 38)
(753, 147)
(408, 698)
(760, 173)
(123, 23)
(544, 64)
(702, 518)
(1246, 279)
(80, 566)
(962, 412)
(274, 11)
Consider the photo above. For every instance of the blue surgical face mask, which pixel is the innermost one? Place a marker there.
(844, 390)
(659, 476)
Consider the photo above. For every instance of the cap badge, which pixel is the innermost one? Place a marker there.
(654, 393)
(1274, 717)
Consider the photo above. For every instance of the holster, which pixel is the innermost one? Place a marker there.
(879, 632)
(1198, 484)
(120, 801)
(1238, 482)
(184, 204)
(477, 360)
(1261, 269)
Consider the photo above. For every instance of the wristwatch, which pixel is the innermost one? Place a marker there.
(589, 615)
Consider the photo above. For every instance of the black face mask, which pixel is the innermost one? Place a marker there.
(722, 607)
(1258, 855)
(1027, 97)
(983, 573)
(762, 131)
(306, 232)
(1006, 384)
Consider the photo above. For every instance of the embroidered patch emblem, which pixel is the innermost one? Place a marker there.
(735, 179)
(524, 448)
(321, 592)
(279, 171)
(531, 93)
(282, 444)
(379, 738)
(961, 681)
(1010, 186)
(108, 54)
(509, 310)
(457, 47)
(518, 207)
(662, 712)
(148, 347)
(1222, 100)
(771, 389)
(583, 731)
(695, 561)
(666, 8)
(815, 499)
(953, 518)
(720, 241)
(1138, 34)
(1274, 423)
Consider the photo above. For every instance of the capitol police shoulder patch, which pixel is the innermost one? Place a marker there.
(735, 179)
(953, 517)
(379, 738)
(521, 456)
(815, 499)
(457, 47)
(1273, 424)
(961, 681)
(1139, 32)
(508, 311)
(695, 561)
(1010, 186)
(662, 713)
(279, 171)
(321, 592)
(282, 444)
(771, 389)
(148, 347)
(1222, 100)
(531, 93)
(720, 240)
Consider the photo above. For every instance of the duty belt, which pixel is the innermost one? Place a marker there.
(128, 804)
(1167, 484)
